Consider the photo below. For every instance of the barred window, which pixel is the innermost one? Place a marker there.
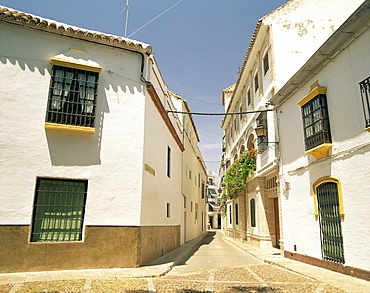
(316, 122)
(365, 95)
(72, 97)
(59, 210)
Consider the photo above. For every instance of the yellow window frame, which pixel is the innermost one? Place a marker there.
(340, 194)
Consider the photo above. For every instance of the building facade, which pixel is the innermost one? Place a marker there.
(194, 174)
(214, 209)
(282, 42)
(92, 171)
(323, 113)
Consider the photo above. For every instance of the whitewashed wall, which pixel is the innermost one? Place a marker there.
(349, 160)
(111, 159)
(300, 27)
(158, 189)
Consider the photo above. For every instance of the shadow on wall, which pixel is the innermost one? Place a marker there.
(68, 148)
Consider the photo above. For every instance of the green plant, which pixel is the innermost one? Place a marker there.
(236, 176)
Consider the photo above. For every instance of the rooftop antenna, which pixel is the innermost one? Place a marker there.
(126, 25)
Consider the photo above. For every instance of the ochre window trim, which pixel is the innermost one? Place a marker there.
(321, 151)
(315, 91)
(75, 65)
(340, 194)
(66, 127)
(70, 64)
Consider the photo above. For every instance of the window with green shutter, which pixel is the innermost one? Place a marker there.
(59, 210)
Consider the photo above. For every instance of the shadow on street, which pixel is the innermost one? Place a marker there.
(206, 241)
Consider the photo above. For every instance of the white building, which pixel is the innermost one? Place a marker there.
(194, 174)
(91, 163)
(325, 152)
(214, 209)
(283, 41)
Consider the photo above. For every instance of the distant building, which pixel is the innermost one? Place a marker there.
(323, 121)
(214, 210)
(194, 174)
(282, 42)
(91, 163)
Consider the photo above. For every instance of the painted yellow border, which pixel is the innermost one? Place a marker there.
(70, 64)
(65, 127)
(313, 93)
(321, 151)
(340, 194)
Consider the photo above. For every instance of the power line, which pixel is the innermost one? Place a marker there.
(218, 114)
(156, 17)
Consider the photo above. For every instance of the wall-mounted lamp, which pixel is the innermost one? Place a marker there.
(260, 130)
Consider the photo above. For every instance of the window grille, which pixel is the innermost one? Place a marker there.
(271, 183)
(59, 210)
(72, 97)
(330, 222)
(236, 214)
(316, 122)
(365, 95)
(253, 212)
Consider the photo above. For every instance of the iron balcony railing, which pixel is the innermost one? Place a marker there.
(365, 96)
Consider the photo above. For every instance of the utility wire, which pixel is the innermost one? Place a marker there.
(218, 114)
(155, 18)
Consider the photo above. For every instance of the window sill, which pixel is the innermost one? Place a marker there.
(321, 151)
(65, 127)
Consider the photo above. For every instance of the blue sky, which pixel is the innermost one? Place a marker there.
(199, 44)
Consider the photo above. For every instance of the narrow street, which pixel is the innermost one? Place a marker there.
(214, 252)
(213, 265)
(218, 266)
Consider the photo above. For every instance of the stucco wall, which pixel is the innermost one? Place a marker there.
(300, 28)
(111, 158)
(348, 160)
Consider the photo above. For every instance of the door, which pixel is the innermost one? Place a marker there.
(277, 221)
(330, 222)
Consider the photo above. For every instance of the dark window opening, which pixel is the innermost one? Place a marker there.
(72, 97)
(253, 212)
(316, 125)
(59, 209)
(266, 66)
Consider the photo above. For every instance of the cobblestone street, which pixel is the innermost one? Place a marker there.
(207, 264)
(248, 278)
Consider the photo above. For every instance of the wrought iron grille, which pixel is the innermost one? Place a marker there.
(330, 222)
(72, 97)
(316, 122)
(58, 210)
(365, 95)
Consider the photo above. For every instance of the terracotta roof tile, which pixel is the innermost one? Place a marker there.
(13, 16)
